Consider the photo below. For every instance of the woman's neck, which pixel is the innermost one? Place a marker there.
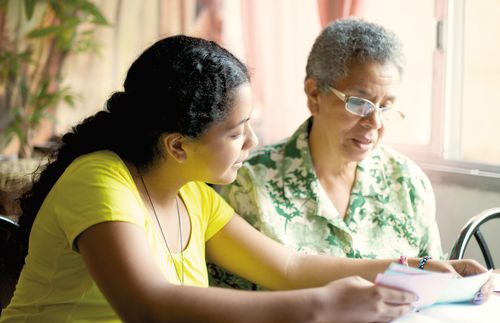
(327, 162)
(162, 184)
(335, 174)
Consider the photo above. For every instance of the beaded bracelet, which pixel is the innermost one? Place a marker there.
(423, 261)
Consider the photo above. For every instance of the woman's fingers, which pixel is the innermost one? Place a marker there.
(467, 267)
(396, 297)
(355, 299)
(489, 286)
(393, 312)
(394, 303)
(485, 292)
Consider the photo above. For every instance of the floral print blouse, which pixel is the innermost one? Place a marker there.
(391, 210)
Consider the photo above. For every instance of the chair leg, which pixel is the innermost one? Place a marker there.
(484, 249)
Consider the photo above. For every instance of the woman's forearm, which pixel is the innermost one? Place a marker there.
(313, 270)
(193, 304)
(346, 300)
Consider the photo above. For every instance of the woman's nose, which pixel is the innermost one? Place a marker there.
(251, 139)
(373, 120)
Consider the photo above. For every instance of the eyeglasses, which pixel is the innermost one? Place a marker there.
(364, 108)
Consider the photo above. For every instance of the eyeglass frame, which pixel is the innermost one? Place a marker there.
(344, 98)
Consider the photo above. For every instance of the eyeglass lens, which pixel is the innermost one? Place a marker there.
(364, 108)
(359, 107)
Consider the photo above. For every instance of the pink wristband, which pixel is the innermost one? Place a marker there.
(403, 260)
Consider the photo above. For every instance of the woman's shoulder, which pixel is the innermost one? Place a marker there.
(395, 161)
(100, 157)
(391, 155)
(274, 155)
(99, 160)
(263, 153)
(100, 167)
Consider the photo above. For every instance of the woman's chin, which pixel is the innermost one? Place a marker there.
(228, 178)
(361, 152)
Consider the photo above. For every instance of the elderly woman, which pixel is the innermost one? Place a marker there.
(332, 187)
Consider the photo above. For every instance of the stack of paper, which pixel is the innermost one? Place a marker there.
(432, 287)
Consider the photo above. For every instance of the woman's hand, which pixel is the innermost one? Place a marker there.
(464, 267)
(354, 299)
(434, 265)
(468, 267)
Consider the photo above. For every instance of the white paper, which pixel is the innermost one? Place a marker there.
(463, 289)
(497, 283)
(432, 287)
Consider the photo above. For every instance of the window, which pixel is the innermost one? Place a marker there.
(480, 75)
(415, 96)
(451, 80)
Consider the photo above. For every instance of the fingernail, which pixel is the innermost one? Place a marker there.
(478, 298)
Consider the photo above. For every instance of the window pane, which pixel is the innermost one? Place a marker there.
(481, 82)
(414, 23)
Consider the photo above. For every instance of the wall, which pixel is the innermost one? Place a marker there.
(459, 197)
(134, 25)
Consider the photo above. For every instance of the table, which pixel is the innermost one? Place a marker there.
(488, 312)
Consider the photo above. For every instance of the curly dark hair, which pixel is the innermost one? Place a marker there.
(179, 84)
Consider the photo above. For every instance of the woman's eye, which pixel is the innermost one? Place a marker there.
(238, 132)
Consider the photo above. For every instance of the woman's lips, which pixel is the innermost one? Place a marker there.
(363, 143)
(238, 164)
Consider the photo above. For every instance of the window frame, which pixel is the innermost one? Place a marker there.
(441, 157)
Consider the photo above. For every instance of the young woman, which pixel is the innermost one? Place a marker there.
(125, 222)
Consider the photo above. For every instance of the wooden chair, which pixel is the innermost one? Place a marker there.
(470, 229)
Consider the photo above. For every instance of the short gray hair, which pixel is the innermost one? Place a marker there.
(348, 40)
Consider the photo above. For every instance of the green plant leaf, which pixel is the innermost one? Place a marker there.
(29, 6)
(47, 31)
(67, 33)
(54, 4)
(24, 89)
(92, 10)
(69, 99)
(73, 31)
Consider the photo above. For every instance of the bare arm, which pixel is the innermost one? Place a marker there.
(240, 248)
(120, 261)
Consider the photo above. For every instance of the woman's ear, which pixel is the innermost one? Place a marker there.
(312, 92)
(174, 146)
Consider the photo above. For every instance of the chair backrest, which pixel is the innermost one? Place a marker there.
(470, 229)
(9, 250)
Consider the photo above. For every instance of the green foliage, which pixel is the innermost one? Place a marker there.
(38, 37)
